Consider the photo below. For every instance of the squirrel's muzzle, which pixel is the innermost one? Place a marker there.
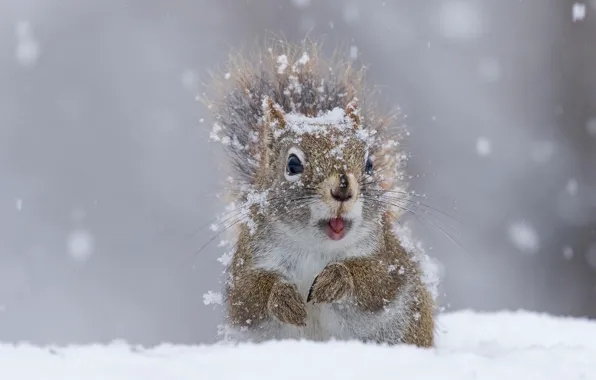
(340, 191)
(343, 191)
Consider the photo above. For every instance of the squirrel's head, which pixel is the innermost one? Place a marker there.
(324, 174)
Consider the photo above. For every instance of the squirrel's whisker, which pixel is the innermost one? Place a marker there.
(235, 222)
(408, 193)
(414, 213)
(246, 215)
(422, 204)
(231, 212)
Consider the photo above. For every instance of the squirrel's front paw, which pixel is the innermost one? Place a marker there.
(332, 284)
(286, 304)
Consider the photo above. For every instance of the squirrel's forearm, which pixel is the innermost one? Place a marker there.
(247, 296)
(376, 281)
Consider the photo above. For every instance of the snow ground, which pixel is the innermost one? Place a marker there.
(471, 345)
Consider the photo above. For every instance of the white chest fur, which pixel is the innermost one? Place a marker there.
(300, 265)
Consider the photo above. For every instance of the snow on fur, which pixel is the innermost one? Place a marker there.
(505, 345)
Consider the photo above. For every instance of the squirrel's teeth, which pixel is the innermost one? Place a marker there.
(337, 224)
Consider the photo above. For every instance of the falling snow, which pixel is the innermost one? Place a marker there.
(226, 258)
(19, 204)
(80, 245)
(483, 146)
(571, 186)
(212, 298)
(460, 20)
(578, 12)
(568, 252)
(27, 48)
(524, 237)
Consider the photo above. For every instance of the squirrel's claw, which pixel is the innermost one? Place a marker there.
(331, 285)
(286, 305)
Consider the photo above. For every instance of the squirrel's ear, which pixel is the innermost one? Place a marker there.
(353, 112)
(273, 113)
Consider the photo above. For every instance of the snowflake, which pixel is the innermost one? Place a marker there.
(483, 146)
(80, 245)
(524, 237)
(578, 12)
(212, 298)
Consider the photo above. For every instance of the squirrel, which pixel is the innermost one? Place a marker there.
(317, 171)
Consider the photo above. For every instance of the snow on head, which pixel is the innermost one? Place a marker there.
(578, 12)
(27, 47)
(80, 245)
(301, 124)
(524, 237)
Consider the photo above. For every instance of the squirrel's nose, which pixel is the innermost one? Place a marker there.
(342, 193)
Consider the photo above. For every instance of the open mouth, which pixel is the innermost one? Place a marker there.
(336, 228)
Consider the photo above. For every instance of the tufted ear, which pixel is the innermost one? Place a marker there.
(273, 114)
(353, 112)
(263, 144)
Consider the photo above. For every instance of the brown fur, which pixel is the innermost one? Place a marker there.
(254, 295)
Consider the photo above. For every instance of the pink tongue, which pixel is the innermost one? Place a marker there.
(337, 224)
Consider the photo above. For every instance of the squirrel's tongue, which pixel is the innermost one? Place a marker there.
(337, 224)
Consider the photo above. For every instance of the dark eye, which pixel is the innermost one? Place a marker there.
(368, 167)
(294, 166)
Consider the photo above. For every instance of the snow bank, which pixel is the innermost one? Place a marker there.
(470, 346)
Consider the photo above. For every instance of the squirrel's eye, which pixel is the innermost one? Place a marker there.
(368, 167)
(294, 166)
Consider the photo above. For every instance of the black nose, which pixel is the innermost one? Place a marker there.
(343, 192)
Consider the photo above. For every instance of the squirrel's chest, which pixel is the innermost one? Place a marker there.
(301, 267)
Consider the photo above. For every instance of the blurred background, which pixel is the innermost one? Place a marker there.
(106, 171)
